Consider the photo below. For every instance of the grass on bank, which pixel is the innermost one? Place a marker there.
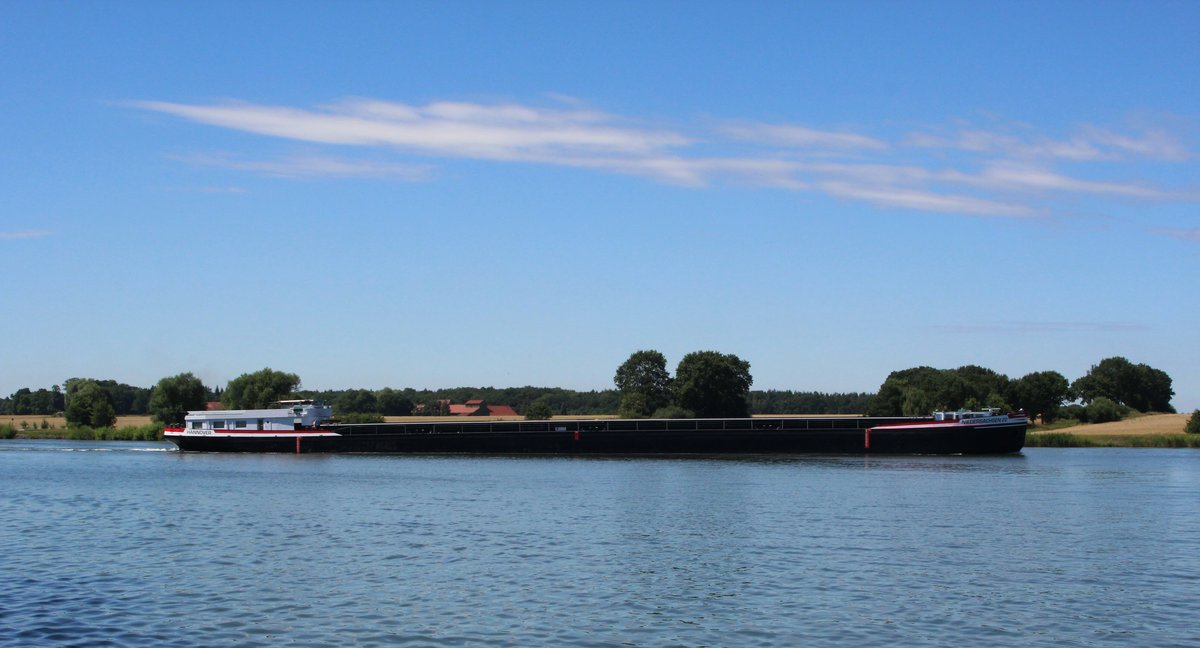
(1069, 440)
(148, 432)
(1137, 431)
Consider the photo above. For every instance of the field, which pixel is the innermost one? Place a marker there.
(56, 422)
(1149, 424)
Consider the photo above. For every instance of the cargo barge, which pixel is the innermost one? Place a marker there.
(305, 426)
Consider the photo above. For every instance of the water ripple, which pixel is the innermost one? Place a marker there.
(132, 546)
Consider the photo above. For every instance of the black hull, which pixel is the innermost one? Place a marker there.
(619, 437)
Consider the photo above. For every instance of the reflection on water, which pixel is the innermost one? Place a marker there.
(128, 544)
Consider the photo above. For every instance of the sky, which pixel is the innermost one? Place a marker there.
(439, 194)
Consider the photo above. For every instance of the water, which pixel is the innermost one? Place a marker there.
(132, 544)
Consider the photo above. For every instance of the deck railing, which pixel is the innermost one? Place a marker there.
(619, 425)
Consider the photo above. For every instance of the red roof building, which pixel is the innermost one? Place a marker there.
(481, 408)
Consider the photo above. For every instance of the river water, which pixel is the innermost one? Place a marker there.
(133, 544)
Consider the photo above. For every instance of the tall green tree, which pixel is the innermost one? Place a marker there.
(124, 399)
(259, 389)
(174, 396)
(918, 391)
(90, 405)
(1139, 386)
(712, 384)
(983, 384)
(1040, 393)
(644, 383)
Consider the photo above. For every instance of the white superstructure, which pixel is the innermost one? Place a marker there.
(291, 417)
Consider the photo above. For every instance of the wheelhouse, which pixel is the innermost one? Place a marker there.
(288, 415)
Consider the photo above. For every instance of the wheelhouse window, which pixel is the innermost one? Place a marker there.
(196, 425)
(217, 425)
(239, 424)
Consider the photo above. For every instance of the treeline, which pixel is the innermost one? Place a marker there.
(563, 402)
(125, 400)
(1111, 389)
(705, 383)
(128, 400)
(774, 401)
(403, 402)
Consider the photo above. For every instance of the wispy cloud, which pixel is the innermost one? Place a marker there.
(793, 136)
(1021, 177)
(1182, 233)
(1009, 171)
(1087, 143)
(1043, 327)
(315, 166)
(24, 234)
(210, 190)
(500, 132)
(908, 198)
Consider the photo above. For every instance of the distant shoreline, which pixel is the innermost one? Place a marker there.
(1149, 430)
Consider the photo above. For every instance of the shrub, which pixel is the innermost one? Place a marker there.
(1193, 424)
(1103, 410)
(538, 411)
(150, 432)
(673, 412)
(357, 417)
(1077, 412)
(81, 433)
(1058, 440)
(633, 406)
(7, 431)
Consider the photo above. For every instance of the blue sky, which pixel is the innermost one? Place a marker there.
(433, 194)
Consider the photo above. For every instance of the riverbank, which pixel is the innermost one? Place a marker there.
(1142, 431)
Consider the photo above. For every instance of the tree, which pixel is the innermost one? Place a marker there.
(393, 403)
(22, 402)
(633, 406)
(538, 411)
(916, 402)
(985, 385)
(356, 401)
(645, 374)
(1103, 410)
(1041, 392)
(1156, 390)
(1193, 424)
(672, 412)
(1139, 386)
(712, 385)
(920, 390)
(89, 405)
(174, 396)
(259, 389)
